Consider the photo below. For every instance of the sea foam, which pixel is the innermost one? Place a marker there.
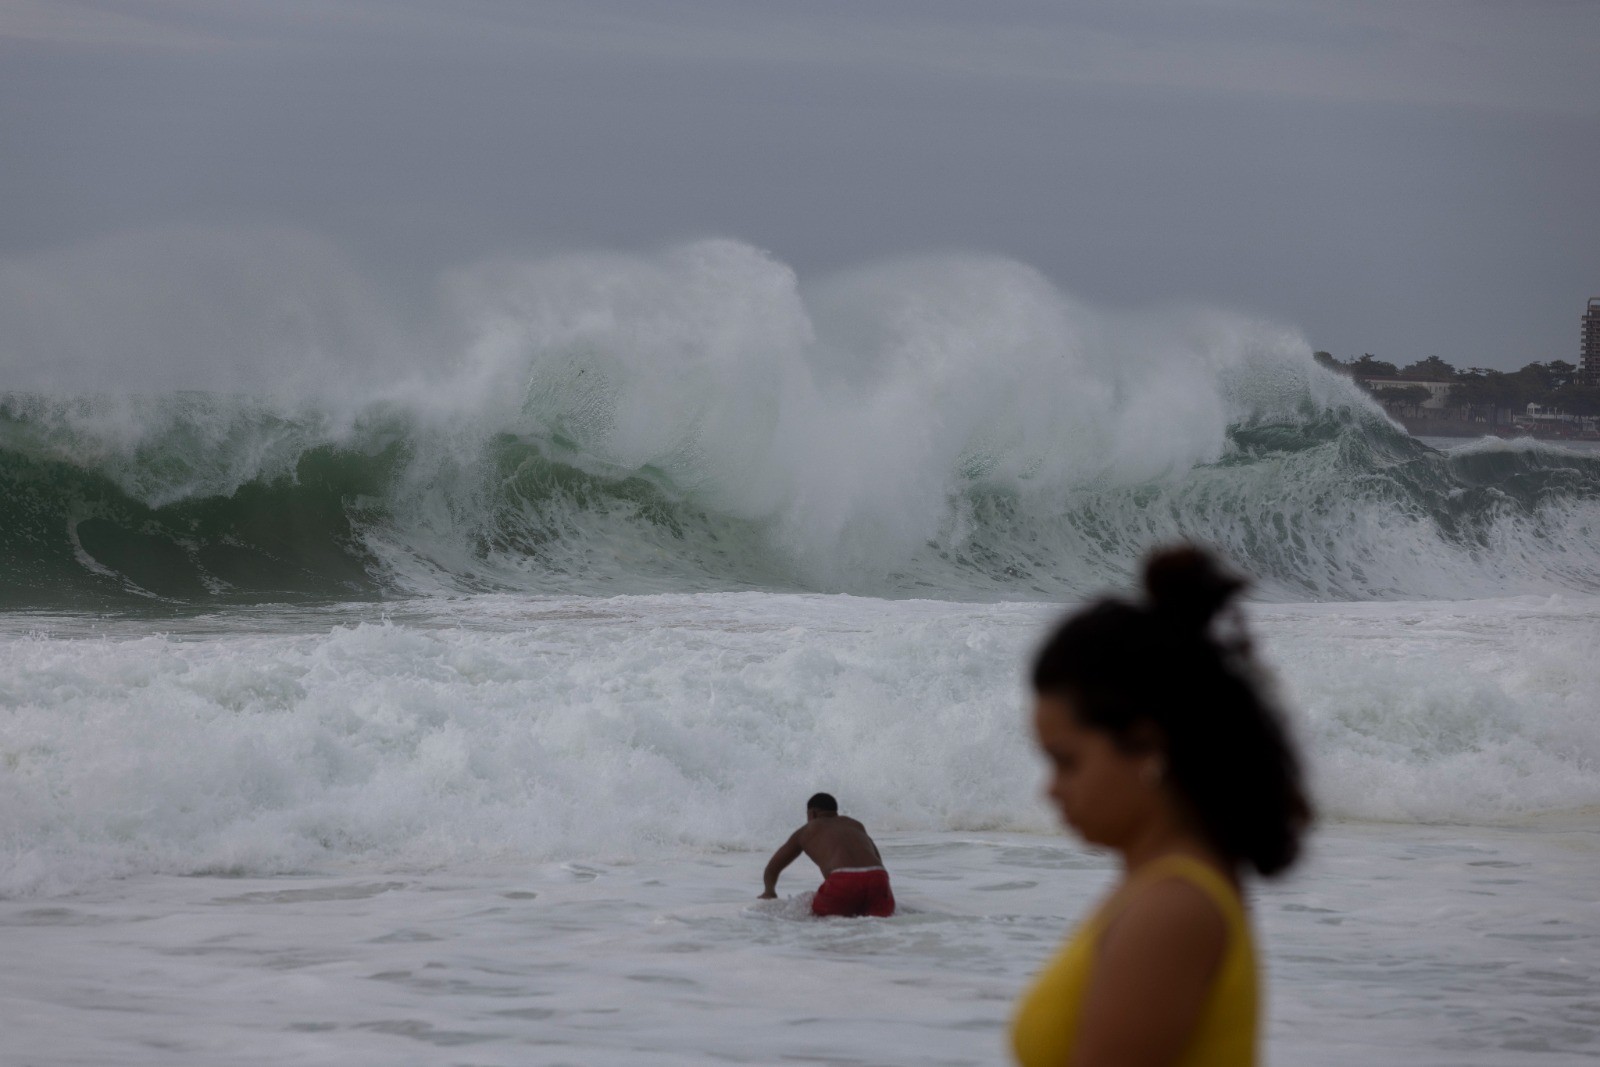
(504, 728)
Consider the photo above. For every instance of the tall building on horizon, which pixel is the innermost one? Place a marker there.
(1589, 352)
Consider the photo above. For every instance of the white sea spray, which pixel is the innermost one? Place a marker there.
(506, 728)
(702, 418)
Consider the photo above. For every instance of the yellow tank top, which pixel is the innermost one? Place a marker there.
(1046, 1023)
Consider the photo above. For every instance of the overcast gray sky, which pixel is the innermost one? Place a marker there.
(1405, 177)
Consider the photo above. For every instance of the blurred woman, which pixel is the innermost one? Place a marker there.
(1164, 749)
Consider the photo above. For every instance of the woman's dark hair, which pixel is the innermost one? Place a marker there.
(1155, 674)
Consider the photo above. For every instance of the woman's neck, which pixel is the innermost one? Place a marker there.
(1163, 835)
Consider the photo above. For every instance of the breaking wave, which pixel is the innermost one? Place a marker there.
(700, 420)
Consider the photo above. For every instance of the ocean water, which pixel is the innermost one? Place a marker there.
(448, 714)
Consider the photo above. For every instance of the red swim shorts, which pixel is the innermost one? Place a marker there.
(852, 891)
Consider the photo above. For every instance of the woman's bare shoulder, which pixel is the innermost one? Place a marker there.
(1168, 913)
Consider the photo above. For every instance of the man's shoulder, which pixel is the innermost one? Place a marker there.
(839, 826)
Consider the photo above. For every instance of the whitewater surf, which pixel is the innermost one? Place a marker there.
(452, 697)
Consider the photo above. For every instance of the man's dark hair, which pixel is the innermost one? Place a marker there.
(823, 802)
(1137, 669)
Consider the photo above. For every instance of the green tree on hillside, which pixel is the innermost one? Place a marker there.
(1410, 397)
(1532, 384)
(1369, 366)
(1332, 362)
(1581, 400)
(1483, 394)
(1432, 369)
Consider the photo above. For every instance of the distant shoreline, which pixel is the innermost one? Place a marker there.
(1456, 428)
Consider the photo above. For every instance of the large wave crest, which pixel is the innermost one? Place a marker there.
(701, 419)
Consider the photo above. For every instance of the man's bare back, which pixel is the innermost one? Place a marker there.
(835, 843)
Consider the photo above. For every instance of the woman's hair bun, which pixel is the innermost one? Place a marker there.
(1188, 586)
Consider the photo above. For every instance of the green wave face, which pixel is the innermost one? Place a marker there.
(74, 538)
(227, 502)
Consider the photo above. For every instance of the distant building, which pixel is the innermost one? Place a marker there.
(1589, 353)
(1537, 413)
(1438, 392)
(1544, 420)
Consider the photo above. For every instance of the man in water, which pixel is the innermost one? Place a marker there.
(853, 879)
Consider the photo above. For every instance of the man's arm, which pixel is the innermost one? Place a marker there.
(787, 853)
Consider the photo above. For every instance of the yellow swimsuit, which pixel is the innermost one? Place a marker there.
(1046, 1023)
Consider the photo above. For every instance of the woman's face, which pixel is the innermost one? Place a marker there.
(1103, 792)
